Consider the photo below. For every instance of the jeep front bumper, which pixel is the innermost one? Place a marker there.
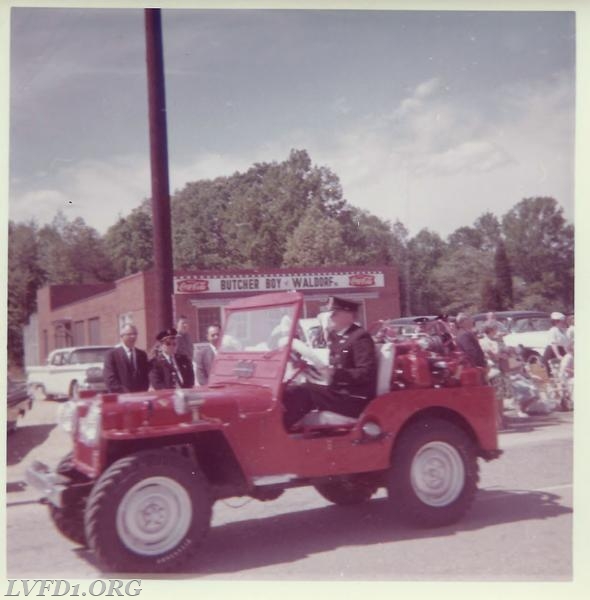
(52, 485)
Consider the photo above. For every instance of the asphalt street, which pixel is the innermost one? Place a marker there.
(519, 528)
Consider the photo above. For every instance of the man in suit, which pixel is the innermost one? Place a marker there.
(126, 367)
(170, 369)
(467, 341)
(206, 354)
(352, 370)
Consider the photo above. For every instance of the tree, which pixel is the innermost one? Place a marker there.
(459, 279)
(73, 252)
(425, 251)
(489, 230)
(539, 242)
(316, 241)
(129, 242)
(368, 238)
(465, 237)
(503, 283)
(24, 277)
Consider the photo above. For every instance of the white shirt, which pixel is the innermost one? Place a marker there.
(557, 337)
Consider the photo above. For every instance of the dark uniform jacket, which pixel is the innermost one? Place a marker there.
(163, 376)
(121, 376)
(354, 359)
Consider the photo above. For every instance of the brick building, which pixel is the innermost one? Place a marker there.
(93, 314)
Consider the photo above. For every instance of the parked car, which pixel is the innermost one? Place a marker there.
(69, 370)
(18, 402)
(146, 467)
(527, 330)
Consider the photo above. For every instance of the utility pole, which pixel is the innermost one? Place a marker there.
(163, 269)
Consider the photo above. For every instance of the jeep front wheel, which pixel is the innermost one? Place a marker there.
(347, 491)
(148, 512)
(434, 473)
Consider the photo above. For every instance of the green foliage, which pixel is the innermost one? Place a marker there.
(316, 241)
(540, 246)
(73, 252)
(129, 242)
(24, 277)
(425, 253)
(460, 278)
(503, 284)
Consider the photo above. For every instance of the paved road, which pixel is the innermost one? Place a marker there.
(520, 527)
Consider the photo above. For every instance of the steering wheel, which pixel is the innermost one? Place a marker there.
(301, 367)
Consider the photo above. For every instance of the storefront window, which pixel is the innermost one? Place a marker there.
(210, 315)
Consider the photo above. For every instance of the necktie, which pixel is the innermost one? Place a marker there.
(131, 356)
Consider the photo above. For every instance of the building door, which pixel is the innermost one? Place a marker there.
(206, 316)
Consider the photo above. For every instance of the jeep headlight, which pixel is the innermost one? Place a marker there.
(66, 416)
(89, 427)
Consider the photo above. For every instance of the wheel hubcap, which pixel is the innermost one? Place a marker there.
(437, 474)
(154, 516)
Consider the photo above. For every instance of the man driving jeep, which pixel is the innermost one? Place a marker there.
(351, 373)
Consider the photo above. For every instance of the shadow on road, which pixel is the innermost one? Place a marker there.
(532, 422)
(290, 537)
(24, 439)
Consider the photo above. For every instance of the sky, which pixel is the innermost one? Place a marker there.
(431, 118)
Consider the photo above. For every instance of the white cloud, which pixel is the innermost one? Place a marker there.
(97, 191)
(427, 88)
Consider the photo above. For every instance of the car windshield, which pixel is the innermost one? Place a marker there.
(530, 324)
(257, 330)
(88, 355)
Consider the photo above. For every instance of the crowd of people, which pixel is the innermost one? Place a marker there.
(171, 362)
(538, 384)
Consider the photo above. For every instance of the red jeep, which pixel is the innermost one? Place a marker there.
(146, 467)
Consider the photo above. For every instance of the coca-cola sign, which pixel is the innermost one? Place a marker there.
(192, 285)
(361, 280)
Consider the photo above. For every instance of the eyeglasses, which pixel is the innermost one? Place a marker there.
(170, 343)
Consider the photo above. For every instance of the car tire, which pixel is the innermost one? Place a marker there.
(347, 491)
(69, 519)
(434, 473)
(148, 512)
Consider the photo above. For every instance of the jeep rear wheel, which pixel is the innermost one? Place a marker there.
(148, 512)
(434, 473)
(347, 491)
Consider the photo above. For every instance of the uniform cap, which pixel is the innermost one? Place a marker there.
(335, 303)
(167, 333)
(557, 316)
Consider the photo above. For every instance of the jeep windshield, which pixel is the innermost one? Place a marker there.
(258, 330)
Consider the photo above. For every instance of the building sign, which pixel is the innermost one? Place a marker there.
(204, 284)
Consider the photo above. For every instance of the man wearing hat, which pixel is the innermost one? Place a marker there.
(352, 370)
(126, 367)
(170, 369)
